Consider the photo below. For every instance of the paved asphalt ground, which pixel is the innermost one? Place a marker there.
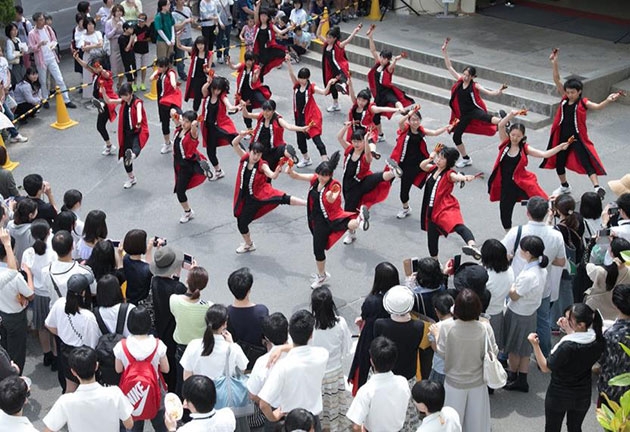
(284, 260)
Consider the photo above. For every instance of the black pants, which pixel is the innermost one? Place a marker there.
(582, 155)
(213, 136)
(433, 236)
(410, 172)
(510, 195)
(129, 67)
(24, 107)
(197, 101)
(302, 138)
(353, 194)
(321, 231)
(13, 336)
(464, 121)
(132, 142)
(333, 90)
(184, 174)
(273, 156)
(252, 97)
(574, 409)
(164, 112)
(251, 207)
(101, 124)
(209, 36)
(298, 49)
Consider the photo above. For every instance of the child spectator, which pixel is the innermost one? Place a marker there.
(141, 49)
(442, 304)
(301, 42)
(298, 15)
(126, 42)
(429, 399)
(13, 394)
(248, 34)
(381, 403)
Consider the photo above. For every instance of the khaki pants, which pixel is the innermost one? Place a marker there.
(163, 50)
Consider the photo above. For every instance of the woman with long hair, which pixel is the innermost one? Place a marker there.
(20, 227)
(106, 259)
(570, 363)
(385, 277)
(36, 258)
(94, 230)
(72, 321)
(270, 53)
(510, 181)
(427, 282)
(200, 64)
(331, 332)
(28, 95)
(113, 30)
(90, 43)
(217, 128)
(14, 53)
(441, 214)
(520, 317)
(605, 278)
(326, 218)
(253, 194)
(249, 86)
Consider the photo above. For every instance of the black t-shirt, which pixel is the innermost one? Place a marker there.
(245, 88)
(126, 119)
(413, 155)
(44, 210)
(264, 137)
(142, 42)
(428, 190)
(570, 366)
(247, 175)
(300, 100)
(245, 324)
(162, 289)
(567, 127)
(128, 57)
(212, 109)
(350, 172)
(508, 166)
(315, 214)
(407, 337)
(465, 98)
(328, 55)
(262, 38)
(138, 279)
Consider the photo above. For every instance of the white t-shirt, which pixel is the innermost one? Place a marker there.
(12, 283)
(260, 372)
(530, 285)
(90, 39)
(37, 263)
(110, 317)
(297, 381)
(74, 330)
(554, 248)
(298, 16)
(140, 347)
(61, 272)
(15, 423)
(381, 403)
(336, 340)
(91, 407)
(446, 420)
(499, 285)
(213, 365)
(47, 53)
(4, 72)
(222, 420)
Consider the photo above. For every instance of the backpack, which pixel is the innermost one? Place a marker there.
(153, 34)
(142, 385)
(106, 373)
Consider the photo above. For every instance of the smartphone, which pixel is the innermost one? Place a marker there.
(156, 241)
(115, 243)
(604, 232)
(188, 260)
(457, 261)
(414, 264)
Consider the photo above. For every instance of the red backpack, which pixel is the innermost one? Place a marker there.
(142, 385)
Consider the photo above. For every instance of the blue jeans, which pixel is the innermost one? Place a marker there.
(179, 54)
(223, 41)
(7, 112)
(565, 299)
(543, 325)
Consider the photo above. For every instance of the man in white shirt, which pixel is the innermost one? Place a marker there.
(297, 381)
(200, 396)
(13, 392)
(14, 296)
(537, 209)
(55, 276)
(381, 403)
(429, 398)
(91, 407)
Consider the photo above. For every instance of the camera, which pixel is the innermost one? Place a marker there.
(613, 209)
(157, 240)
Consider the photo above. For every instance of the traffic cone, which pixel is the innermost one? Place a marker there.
(375, 11)
(63, 119)
(9, 164)
(325, 26)
(241, 55)
(152, 95)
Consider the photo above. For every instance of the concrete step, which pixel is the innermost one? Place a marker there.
(436, 60)
(424, 91)
(623, 86)
(541, 103)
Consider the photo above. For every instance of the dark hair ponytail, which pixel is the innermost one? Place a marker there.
(536, 248)
(216, 316)
(583, 313)
(39, 231)
(617, 245)
(328, 167)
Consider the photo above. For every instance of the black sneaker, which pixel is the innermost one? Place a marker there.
(128, 157)
(291, 150)
(70, 105)
(100, 106)
(364, 218)
(205, 166)
(342, 88)
(46, 105)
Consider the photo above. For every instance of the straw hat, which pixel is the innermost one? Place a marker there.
(398, 300)
(621, 186)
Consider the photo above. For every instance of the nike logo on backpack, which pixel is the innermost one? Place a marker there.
(138, 398)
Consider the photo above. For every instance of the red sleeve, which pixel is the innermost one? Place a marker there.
(190, 146)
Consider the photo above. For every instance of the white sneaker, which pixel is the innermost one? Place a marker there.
(472, 251)
(562, 190)
(166, 148)
(404, 212)
(320, 280)
(350, 237)
(244, 248)
(304, 163)
(364, 218)
(218, 175)
(333, 108)
(128, 158)
(109, 151)
(130, 183)
(381, 138)
(398, 172)
(18, 139)
(461, 163)
(187, 216)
